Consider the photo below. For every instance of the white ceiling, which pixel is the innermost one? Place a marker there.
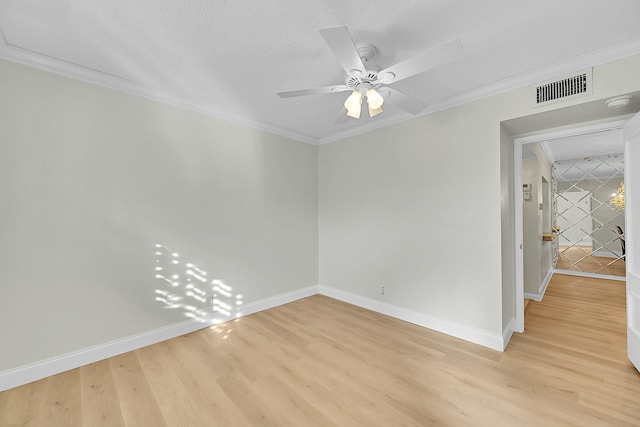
(229, 58)
(598, 154)
(588, 145)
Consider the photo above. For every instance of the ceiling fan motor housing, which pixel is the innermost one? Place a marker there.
(357, 80)
(368, 80)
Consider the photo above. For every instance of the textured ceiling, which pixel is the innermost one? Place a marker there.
(229, 58)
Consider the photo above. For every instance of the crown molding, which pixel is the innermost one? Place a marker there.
(78, 72)
(33, 59)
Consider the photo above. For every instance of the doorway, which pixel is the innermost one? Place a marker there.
(519, 144)
(590, 213)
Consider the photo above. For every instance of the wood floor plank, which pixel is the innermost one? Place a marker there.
(256, 408)
(318, 361)
(197, 376)
(298, 410)
(204, 344)
(137, 402)
(61, 404)
(21, 405)
(100, 404)
(223, 413)
(237, 351)
(336, 407)
(160, 374)
(182, 411)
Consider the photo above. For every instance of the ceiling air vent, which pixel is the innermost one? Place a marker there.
(567, 87)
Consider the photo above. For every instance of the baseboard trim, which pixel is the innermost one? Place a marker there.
(36, 371)
(277, 300)
(466, 333)
(542, 289)
(508, 333)
(46, 368)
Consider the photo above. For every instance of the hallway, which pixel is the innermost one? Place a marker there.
(577, 337)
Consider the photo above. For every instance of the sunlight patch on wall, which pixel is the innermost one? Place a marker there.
(186, 286)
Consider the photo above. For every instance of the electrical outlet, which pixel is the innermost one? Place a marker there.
(210, 299)
(381, 290)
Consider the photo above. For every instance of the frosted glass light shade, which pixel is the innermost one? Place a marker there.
(374, 99)
(374, 111)
(353, 104)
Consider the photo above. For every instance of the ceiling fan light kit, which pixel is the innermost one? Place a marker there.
(374, 111)
(374, 99)
(367, 80)
(353, 104)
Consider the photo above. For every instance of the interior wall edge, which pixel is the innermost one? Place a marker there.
(508, 332)
(542, 289)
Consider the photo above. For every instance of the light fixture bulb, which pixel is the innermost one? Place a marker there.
(374, 99)
(355, 112)
(353, 104)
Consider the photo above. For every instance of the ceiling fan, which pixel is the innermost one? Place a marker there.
(365, 79)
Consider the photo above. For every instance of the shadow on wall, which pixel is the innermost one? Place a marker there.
(185, 286)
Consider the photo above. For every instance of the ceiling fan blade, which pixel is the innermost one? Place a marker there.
(342, 117)
(404, 102)
(313, 91)
(341, 43)
(422, 62)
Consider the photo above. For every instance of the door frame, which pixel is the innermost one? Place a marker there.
(518, 199)
(632, 139)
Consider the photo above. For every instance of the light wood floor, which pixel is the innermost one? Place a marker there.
(579, 258)
(319, 361)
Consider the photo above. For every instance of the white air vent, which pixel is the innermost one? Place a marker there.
(563, 88)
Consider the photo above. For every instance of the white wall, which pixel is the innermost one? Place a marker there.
(416, 207)
(508, 242)
(91, 179)
(536, 252)
(531, 230)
